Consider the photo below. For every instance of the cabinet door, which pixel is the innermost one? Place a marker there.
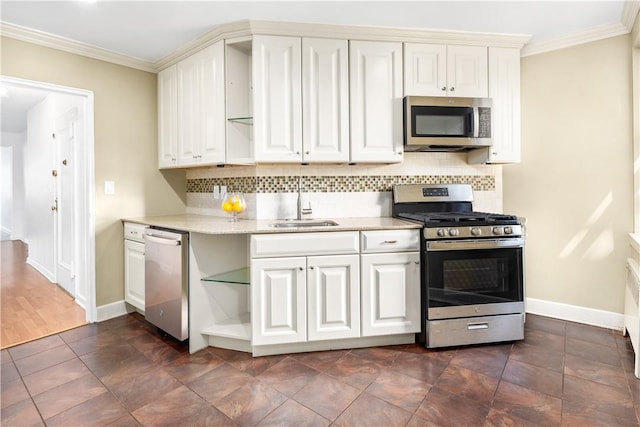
(134, 273)
(467, 71)
(189, 110)
(212, 117)
(425, 69)
(390, 293)
(201, 107)
(277, 108)
(504, 89)
(375, 85)
(278, 300)
(168, 117)
(333, 291)
(325, 96)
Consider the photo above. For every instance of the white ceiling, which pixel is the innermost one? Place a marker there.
(151, 30)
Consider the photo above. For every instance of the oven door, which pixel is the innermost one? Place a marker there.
(474, 278)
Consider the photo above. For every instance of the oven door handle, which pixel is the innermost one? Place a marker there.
(462, 245)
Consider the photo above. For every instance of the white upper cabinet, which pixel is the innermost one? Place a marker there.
(375, 70)
(168, 117)
(277, 99)
(504, 90)
(325, 100)
(441, 70)
(201, 106)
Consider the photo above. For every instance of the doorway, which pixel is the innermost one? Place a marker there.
(53, 211)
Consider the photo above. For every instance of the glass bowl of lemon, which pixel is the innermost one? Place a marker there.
(233, 204)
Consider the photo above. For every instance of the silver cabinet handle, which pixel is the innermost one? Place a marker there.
(479, 325)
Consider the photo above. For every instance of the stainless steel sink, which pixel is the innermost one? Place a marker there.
(301, 223)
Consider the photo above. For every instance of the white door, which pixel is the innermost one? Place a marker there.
(390, 293)
(467, 71)
(375, 70)
(333, 292)
(278, 300)
(64, 203)
(168, 117)
(277, 108)
(325, 100)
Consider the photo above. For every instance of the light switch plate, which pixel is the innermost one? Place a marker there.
(216, 192)
(109, 188)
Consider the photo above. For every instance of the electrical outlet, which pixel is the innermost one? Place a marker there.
(109, 188)
(223, 190)
(216, 192)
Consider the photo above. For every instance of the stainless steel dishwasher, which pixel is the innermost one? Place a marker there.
(166, 281)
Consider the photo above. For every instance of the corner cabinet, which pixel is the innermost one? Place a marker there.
(191, 96)
(445, 70)
(376, 101)
(201, 125)
(504, 89)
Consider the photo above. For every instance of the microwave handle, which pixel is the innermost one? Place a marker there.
(476, 122)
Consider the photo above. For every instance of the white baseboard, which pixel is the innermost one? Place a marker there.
(574, 313)
(42, 270)
(115, 309)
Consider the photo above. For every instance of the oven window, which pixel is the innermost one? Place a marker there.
(441, 121)
(481, 276)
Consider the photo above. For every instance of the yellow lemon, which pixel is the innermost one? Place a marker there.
(238, 206)
(227, 206)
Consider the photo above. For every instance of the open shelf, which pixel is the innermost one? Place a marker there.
(241, 276)
(239, 328)
(241, 120)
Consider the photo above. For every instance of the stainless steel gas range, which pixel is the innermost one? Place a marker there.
(472, 266)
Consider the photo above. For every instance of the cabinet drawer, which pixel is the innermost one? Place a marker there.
(287, 244)
(134, 231)
(390, 241)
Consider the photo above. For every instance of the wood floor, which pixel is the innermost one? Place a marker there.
(31, 306)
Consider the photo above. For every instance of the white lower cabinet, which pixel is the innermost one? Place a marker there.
(134, 273)
(390, 293)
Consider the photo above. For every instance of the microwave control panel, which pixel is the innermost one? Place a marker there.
(484, 120)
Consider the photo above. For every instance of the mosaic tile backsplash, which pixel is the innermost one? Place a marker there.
(333, 184)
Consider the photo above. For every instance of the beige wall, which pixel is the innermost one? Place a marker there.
(575, 182)
(125, 146)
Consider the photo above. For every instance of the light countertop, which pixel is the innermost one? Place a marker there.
(219, 225)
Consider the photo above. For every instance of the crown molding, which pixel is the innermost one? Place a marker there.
(68, 45)
(591, 35)
(349, 32)
(630, 13)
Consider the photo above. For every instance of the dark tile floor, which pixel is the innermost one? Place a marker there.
(122, 372)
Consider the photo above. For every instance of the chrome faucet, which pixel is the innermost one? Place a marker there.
(302, 212)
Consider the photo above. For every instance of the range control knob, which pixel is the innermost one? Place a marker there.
(442, 232)
(497, 230)
(508, 230)
(475, 231)
(453, 232)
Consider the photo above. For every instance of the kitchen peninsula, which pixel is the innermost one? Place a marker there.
(266, 290)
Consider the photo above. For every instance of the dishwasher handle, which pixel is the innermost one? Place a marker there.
(162, 240)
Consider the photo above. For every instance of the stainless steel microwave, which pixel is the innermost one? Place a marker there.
(434, 123)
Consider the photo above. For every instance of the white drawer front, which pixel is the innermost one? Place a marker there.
(287, 244)
(390, 240)
(134, 231)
